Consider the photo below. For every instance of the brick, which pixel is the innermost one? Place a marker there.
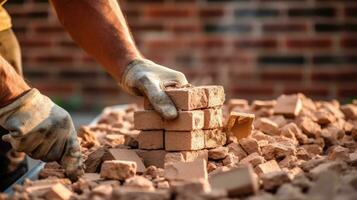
(186, 170)
(173, 157)
(152, 157)
(118, 170)
(240, 125)
(214, 138)
(350, 111)
(186, 156)
(213, 118)
(215, 95)
(58, 192)
(250, 145)
(230, 160)
(240, 104)
(273, 180)
(186, 121)
(267, 167)
(151, 139)
(184, 141)
(94, 160)
(218, 153)
(245, 182)
(324, 117)
(139, 182)
(259, 104)
(288, 105)
(310, 128)
(338, 153)
(267, 126)
(237, 150)
(126, 155)
(253, 159)
(188, 98)
(148, 120)
(91, 177)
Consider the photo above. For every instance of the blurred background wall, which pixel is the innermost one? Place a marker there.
(257, 49)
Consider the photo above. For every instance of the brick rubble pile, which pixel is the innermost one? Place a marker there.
(288, 148)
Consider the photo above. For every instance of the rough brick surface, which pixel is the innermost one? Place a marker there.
(188, 98)
(240, 125)
(184, 141)
(186, 121)
(148, 120)
(213, 118)
(214, 138)
(288, 105)
(118, 170)
(126, 155)
(151, 139)
(186, 170)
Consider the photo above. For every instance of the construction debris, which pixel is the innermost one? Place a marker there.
(289, 148)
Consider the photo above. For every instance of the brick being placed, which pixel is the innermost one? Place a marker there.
(151, 139)
(240, 125)
(184, 140)
(186, 121)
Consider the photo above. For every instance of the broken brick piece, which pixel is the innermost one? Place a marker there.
(214, 138)
(58, 192)
(288, 105)
(118, 169)
(94, 160)
(253, 159)
(186, 171)
(263, 104)
(250, 145)
(268, 126)
(184, 141)
(273, 180)
(139, 182)
(188, 98)
(240, 125)
(152, 157)
(267, 167)
(338, 153)
(350, 111)
(218, 153)
(186, 121)
(310, 128)
(148, 120)
(213, 118)
(239, 104)
(151, 139)
(244, 183)
(237, 150)
(125, 155)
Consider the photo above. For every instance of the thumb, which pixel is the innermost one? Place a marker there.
(158, 98)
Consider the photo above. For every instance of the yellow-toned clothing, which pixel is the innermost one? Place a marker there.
(5, 20)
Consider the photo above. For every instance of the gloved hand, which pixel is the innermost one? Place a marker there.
(42, 130)
(144, 77)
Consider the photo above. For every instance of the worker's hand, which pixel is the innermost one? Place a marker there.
(144, 77)
(43, 130)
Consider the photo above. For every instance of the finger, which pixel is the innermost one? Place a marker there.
(158, 98)
(72, 160)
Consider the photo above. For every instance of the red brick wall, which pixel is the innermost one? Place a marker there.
(255, 48)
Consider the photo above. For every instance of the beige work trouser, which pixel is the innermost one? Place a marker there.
(10, 49)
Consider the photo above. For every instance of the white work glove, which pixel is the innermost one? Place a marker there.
(145, 78)
(43, 130)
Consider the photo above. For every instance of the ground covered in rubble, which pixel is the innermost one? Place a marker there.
(309, 153)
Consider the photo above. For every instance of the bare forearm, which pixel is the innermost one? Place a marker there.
(12, 84)
(99, 27)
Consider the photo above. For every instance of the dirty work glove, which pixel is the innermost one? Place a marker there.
(146, 78)
(42, 130)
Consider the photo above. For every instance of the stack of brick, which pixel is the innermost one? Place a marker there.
(198, 125)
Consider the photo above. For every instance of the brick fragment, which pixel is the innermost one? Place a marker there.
(173, 157)
(352, 159)
(213, 118)
(186, 170)
(126, 155)
(334, 166)
(118, 169)
(94, 160)
(152, 157)
(130, 193)
(237, 150)
(267, 167)
(292, 131)
(245, 181)
(214, 138)
(148, 120)
(190, 98)
(267, 126)
(273, 180)
(312, 149)
(324, 117)
(218, 153)
(151, 139)
(288, 105)
(230, 160)
(289, 162)
(186, 121)
(139, 182)
(253, 159)
(338, 153)
(240, 125)
(58, 192)
(184, 141)
(237, 105)
(88, 137)
(250, 145)
(260, 104)
(310, 128)
(350, 111)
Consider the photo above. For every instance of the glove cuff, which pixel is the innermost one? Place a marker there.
(28, 96)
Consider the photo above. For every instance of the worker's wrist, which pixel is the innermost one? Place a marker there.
(12, 92)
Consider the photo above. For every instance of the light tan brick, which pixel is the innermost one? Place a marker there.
(151, 139)
(58, 192)
(188, 98)
(118, 169)
(244, 183)
(125, 155)
(184, 141)
(288, 105)
(186, 121)
(213, 118)
(187, 170)
(240, 125)
(148, 120)
(214, 138)
(215, 95)
(270, 166)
